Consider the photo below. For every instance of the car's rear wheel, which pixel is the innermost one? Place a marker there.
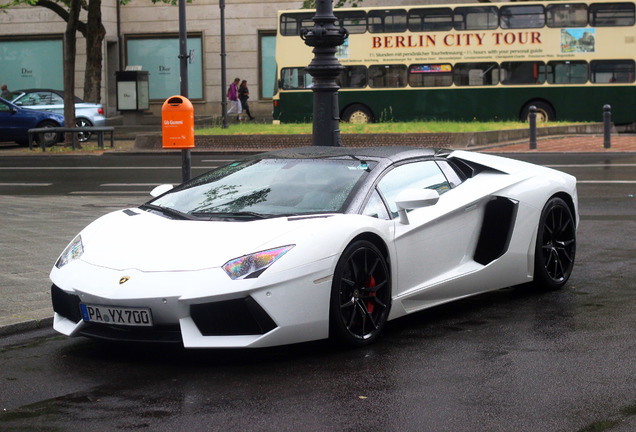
(83, 136)
(360, 295)
(50, 138)
(556, 245)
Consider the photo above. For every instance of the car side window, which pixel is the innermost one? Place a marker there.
(376, 208)
(56, 99)
(416, 175)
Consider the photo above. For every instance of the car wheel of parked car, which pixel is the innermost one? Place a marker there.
(556, 245)
(83, 136)
(50, 138)
(360, 295)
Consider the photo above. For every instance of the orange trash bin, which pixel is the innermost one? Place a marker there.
(177, 120)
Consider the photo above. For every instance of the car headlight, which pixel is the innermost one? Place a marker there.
(72, 252)
(251, 266)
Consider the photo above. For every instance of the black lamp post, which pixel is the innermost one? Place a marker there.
(186, 158)
(325, 68)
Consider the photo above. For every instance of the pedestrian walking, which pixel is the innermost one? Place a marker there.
(233, 96)
(244, 95)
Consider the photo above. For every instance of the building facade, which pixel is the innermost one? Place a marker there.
(145, 35)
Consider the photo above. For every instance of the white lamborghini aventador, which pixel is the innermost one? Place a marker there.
(317, 242)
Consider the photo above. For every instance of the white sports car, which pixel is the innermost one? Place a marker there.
(316, 242)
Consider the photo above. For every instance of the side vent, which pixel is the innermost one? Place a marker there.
(496, 231)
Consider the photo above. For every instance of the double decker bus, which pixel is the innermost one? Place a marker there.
(469, 62)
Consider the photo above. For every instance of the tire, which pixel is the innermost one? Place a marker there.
(50, 138)
(358, 114)
(83, 136)
(545, 112)
(556, 246)
(360, 295)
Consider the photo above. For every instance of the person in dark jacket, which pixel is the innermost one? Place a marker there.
(244, 94)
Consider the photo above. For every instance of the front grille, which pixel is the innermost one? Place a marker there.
(231, 318)
(65, 304)
(160, 334)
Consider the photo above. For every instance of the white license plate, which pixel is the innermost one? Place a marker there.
(116, 315)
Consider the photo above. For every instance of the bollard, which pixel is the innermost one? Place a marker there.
(607, 126)
(532, 121)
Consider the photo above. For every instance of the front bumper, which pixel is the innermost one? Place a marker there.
(200, 309)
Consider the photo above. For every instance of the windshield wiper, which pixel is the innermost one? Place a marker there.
(239, 215)
(176, 214)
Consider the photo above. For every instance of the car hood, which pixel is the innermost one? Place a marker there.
(137, 239)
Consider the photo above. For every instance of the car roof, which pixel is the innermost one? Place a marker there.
(59, 92)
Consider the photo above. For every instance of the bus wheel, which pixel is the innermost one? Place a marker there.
(357, 114)
(545, 112)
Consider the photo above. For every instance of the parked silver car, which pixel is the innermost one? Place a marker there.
(86, 113)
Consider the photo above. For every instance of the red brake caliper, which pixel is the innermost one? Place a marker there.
(370, 284)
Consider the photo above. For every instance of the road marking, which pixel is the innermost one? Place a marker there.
(101, 168)
(129, 184)
(109, 193)
(610, 165)
(607, 181)
(26, 184)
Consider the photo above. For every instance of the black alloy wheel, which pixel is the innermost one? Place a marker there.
(360, 295)
(556, 245)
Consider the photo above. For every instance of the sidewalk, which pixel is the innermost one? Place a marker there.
(36, 229)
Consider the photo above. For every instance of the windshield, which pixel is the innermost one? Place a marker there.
(268, 188)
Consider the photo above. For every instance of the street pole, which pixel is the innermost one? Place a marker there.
(325, 37)
(223, 72)
(186, 157)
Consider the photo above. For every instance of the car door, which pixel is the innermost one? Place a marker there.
(13, 124)
(438, 242)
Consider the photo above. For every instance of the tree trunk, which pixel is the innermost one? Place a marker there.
(70, 43)
(94, 41)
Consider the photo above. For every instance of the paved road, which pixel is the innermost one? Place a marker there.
(511, 360)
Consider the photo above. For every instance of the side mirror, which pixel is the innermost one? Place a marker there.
(410, 199)
(160, 190)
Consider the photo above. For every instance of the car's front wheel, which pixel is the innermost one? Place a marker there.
(556, 245)
(49, 138)
(360, 295)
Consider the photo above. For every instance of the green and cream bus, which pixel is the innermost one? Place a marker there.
(478, 61)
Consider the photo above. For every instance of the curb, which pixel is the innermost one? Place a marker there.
(25, 326)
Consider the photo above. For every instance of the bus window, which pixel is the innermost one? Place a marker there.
(514, 17)
(430, 75)
(352, 77)
(290, 24)
(387, 76)
(612, 71)
(529, 72)
(476, 74)
(611, 14)
(353, 21)
(295, 78)
(567, 72)
(433, 19)
(387, 21)
(476, 18)
(566, 15)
